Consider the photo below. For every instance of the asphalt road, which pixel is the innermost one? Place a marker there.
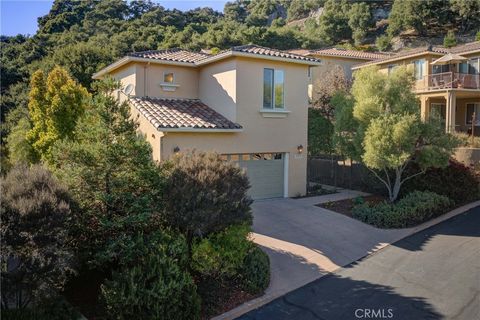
(434, 274)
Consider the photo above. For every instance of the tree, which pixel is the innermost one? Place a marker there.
(383, 42)
(333, 24)
(205, 194)
(359, 21)
(110, 173)
(389, 134)
(407, 14)
(320, 132)
(55, 104)
(299, 9)
(450, 40)
(467, 11)
(36, 256)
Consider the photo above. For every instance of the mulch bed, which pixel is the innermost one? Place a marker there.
(345, 206)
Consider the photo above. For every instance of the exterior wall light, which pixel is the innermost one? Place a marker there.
(176, 149)
(300, 148)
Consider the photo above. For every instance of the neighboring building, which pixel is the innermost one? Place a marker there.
(333, 58)
(447, 82)
(248, 103)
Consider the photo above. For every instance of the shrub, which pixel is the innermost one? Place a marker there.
(35, 215)
(455, 181)
(414, 208)
(151, 282)
(450, 40)
(256, 271)
(222, 254)
(205, 194)
(383, 43)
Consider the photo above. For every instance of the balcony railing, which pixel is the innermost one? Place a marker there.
(448, 80)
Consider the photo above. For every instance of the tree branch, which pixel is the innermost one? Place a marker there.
(412, 176)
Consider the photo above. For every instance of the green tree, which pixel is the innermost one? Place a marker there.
(477, 36)
(450, 40)
(320, 132)
(383, 42)
(389, 134)
(468, 13)
(299, 9)
(407, 14)
(110, 172)
(359, 21)
(205, 194)
(333, 23)
(55, 104)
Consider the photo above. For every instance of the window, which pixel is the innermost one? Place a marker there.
(168, 77)
(470, 67)
(273, 89)
(419, 69)
(441, 69)
(471, 108)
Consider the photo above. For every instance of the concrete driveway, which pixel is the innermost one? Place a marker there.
(433, 274)
(305, 242)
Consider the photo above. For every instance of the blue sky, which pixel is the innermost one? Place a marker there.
(20, 16)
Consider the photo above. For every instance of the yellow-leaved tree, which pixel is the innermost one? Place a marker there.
(55, 104)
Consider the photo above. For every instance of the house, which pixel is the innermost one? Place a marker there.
(248, 103)
(447, 82)
(332, 58)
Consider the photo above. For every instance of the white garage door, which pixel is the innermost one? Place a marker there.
(265, 172)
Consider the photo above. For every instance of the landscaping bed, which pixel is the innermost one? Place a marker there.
(345, 206)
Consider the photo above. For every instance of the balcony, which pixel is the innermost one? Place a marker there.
(449, 80)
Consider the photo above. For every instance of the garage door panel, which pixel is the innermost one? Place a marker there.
(266, 177)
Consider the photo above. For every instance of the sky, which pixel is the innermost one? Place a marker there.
(20, 16)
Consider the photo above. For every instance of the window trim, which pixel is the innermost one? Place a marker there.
(476, 109)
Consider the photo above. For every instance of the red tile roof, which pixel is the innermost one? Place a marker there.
(181, 113)
(338, 52)
(468, 47)
(177, 55)
(254, 49)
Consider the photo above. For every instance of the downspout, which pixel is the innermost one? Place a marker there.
(145, 78)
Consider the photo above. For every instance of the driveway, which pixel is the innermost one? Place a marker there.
(433, 274)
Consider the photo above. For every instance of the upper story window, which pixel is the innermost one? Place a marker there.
(471, 67)
(168, 77)
(273, 89)
(419, 69)
(440, 69)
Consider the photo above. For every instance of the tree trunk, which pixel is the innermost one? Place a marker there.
(396, 186)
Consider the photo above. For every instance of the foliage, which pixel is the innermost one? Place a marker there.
(55, 104)
(320, 132)
(359, 20)
(36, 256)
(110, 172)
(151, 282)
(256, 271)
(389, 134)
(333, 23)
(477, 36)
(52, 309)
(205, 194)
(407, 14)
(455, 181)
(415, 208)
(299, 9)
(221, 255)
(467, 140)
(20, 150)
(467, 13)
(383, 43)
(332, 81)
(450, 40)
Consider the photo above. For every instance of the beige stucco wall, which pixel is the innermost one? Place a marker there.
(217, 87)
(127, 75)
(260, 134)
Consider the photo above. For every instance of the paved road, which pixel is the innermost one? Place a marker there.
(434, 274)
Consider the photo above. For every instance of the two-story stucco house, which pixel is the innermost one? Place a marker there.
(248, 103)
(447, 82)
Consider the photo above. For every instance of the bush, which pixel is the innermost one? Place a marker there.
(256, 271)
(205, 194)
(455, 181)
(450, 40)
(151, 282)
(414, 208)
(383, 43)
(35, 215)
(222, 254)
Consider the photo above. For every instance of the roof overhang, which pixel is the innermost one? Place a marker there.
(127, 59)
(229, 54)
(199, 130)
(394, 59)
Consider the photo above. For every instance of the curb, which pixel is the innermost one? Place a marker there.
(260, 301)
